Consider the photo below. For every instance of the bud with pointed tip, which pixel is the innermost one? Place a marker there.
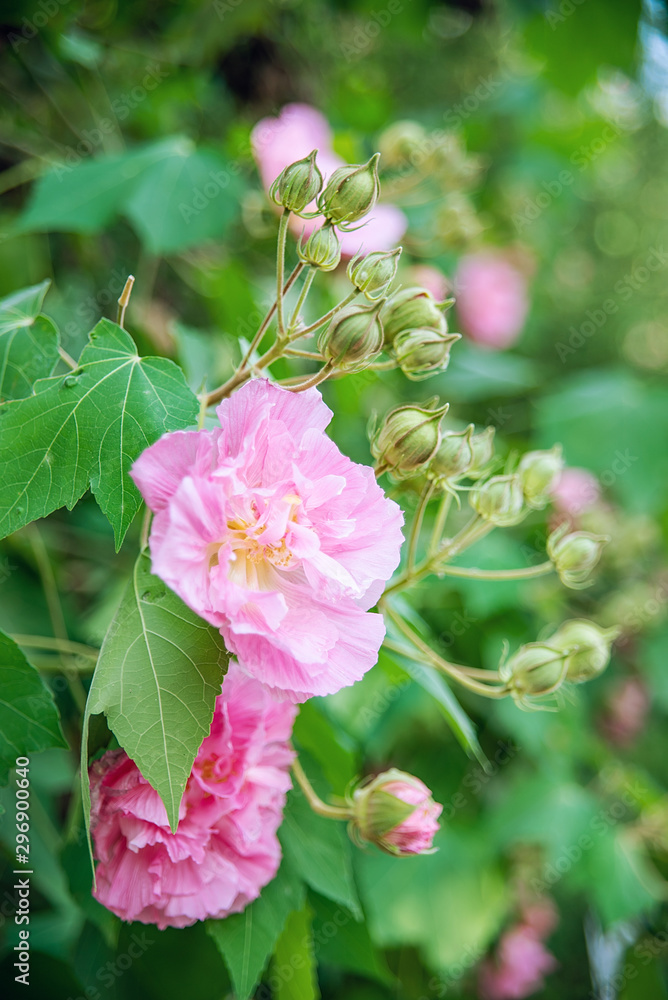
(374, 273)
(575, 554)
(421, 353)
(297, 185)
(499, 500)
(535, 671)
(396, 812)
(322, 249)
(413, 309)
(539, 472)
(350, 193)
(588, 647)
(454, 455)
(353, 338)
(407, 439)
(482, 446)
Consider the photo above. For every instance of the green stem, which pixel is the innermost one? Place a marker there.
(471, 572)
(439, 523)
(145, 526)
(306, 287)
(417, 526)
(280, 270)
(314, 800)
(123, 299)
(328, 315)
(294, 352)
(470, 533)
(451, 670)
(67, 358)
(58, 645)
(316, 379)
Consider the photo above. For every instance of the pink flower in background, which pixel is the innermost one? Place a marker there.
(577, 490)
(299, 129)
(492, 301)
(520, 965)
(626, 712)
(268, 532)
(225, 849)
(432, 279)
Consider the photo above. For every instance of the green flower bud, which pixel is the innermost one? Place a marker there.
(413, 309)
(575, 554)
(353, 338)
(407, 439)
(499, 500)
(382, 806)
(482, 446)
(298, 184)
(454, 455)
(374, 273)
(588, 648)
(403, 141)
(351, 192)
(322, 249)
(422, 353)
(535, 671)
(539, 472)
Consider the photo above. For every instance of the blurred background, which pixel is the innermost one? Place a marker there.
(524, 149)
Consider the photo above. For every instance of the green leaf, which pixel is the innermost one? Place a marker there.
(349, 946)
(294, 973)
(160, 670)
(28, 342)
(29, 719)
(319, 849)
(87, 428)
(314, 732)
(85, 196)
(183, 200)
(246, 940)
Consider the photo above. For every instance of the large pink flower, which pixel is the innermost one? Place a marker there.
(266, 530)
(492, 301)
(294, 134)
(225, 849)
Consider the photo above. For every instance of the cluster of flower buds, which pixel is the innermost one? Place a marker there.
(350, 193)
(577, 652)
(407, 439)
(354, 338)
(416, 332)
(575, 554)
(539, 472)
(396, 812)
(297, 185)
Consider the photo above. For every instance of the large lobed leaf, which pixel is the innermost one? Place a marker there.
(28, 342)
(87, 428)
(160, 670)
(28, 717)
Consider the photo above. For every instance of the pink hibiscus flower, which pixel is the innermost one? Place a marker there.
(492, 301)
(225, 849)
(268, 532)
(297, 131)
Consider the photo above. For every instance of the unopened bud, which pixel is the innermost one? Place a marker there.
(421, 353)
(539, 472)
(535, 671)
(482, 446)
(353, 338)
(351, 192)
(499, 500)
(298, 184)
(404, 141)
(374, 273)
(322, 249)
(396, 812)
(407, 439)
(588, 647)
(454, 455)
(413, 309)
(575, 554)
